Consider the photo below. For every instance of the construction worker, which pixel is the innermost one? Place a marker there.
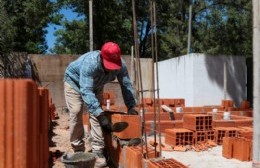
(84, 80)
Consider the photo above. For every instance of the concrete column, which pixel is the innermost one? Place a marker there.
(256, 58)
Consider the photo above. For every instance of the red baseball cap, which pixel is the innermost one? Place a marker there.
(111, 54)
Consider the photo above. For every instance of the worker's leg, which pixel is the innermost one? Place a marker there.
(75, 105)
(98, 143)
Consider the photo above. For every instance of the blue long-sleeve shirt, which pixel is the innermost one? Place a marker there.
(86, 75)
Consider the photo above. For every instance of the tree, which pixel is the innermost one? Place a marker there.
(111, 22)
(218, 26)
(24, 27)
(72, 39)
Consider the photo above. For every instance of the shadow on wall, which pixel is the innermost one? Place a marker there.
(236, 75)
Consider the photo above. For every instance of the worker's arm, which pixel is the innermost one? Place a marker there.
(126, 87)
(87, 73)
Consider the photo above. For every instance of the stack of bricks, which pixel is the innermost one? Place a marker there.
(201, 125)
(165, 118)
(127, 156)
(178, 137)
(118, 152)
(221, 132)
(24, 125)
(237, 148)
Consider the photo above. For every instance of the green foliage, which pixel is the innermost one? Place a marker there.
(72, 39)
(23, 23)
(218, 26)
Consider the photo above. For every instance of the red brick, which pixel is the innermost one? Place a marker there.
(148, 101)
(244, 105)
(221, 132)
(227, 147)
(242, 149)
(134, 126)
(200, 136)
(162, 163)
(169, 102)
(2, 123)
(25, 110)
(197, 122)
(150, 116)
(178, 136)
(44, 126)
(244, 123)
(223, 123)
(134, 156)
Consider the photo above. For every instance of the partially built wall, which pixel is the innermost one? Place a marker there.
(51, 70)
(203, 79)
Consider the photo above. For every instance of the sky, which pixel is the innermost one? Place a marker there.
(50, 38)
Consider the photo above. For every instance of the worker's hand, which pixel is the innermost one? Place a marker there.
(132, 111)
(104, 122)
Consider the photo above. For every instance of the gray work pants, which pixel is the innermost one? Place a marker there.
(74, 103)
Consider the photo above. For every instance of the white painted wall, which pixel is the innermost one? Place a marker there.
(199, 79)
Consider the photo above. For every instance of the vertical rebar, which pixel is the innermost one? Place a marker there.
(157, 77)
(140, 76)
(153, 82)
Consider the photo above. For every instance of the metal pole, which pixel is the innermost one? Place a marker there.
(90, 26)
(140, 76)
(153, 80)
(157, 76)
(189, 31)
(225, 80)
(256, 59)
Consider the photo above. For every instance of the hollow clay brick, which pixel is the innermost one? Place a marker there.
(178, 136)
(242, 149)
(10, 132)
(134, 126)
(200, 136)
(25, 111)
(3, 122)
(169, 102)
(162, 163)
(221, 132)
(20, 134)
(149, 116)
(134, 156)
(223, 123)
(244, 123)
(197, 122)
(44, 125)
(227, 147)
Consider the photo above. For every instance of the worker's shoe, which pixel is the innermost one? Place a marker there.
(78, 148)
(100, 160)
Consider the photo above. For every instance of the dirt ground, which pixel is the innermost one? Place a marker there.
(59, 144)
